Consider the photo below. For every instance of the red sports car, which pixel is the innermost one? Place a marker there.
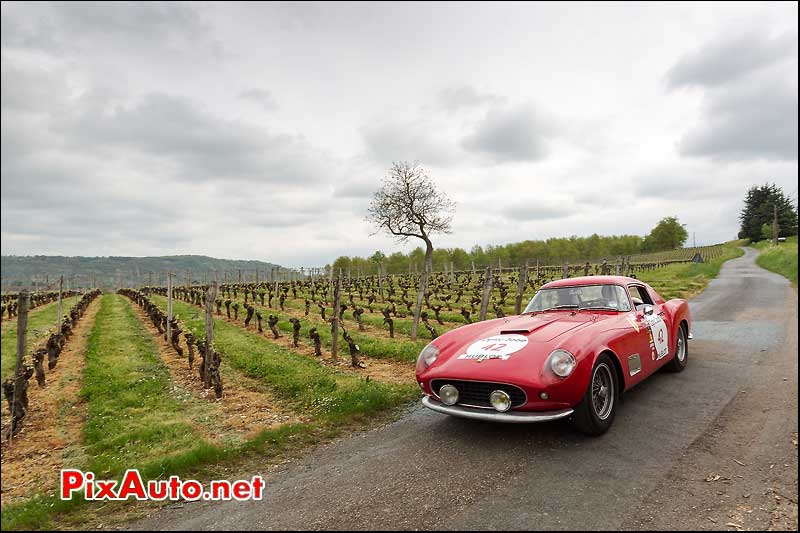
(578, 345)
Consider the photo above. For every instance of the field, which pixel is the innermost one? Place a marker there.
(123, 397)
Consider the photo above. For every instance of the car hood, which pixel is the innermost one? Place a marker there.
(535, 337)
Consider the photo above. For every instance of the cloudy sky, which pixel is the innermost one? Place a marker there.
(260, 131)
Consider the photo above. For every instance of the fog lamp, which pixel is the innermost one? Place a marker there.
(500, 401)
(448, 394)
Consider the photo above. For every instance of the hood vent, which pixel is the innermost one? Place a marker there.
(518, 331)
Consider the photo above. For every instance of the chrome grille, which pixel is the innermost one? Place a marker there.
(476, 393)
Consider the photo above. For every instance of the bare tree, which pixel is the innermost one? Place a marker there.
(408, 204)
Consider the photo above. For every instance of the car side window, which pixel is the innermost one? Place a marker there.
(639, 296)
(622, 298)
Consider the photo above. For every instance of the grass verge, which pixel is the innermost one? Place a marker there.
(781, 259)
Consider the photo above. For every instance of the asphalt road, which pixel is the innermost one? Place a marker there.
(427, 470)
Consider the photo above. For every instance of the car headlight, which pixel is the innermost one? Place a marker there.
(427, 356)
(561, 362)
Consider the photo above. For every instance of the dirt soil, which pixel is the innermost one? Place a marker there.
(52, 428)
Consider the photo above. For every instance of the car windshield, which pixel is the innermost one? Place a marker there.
(601, 297)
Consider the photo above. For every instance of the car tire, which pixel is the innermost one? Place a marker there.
(595, 414)
(681, 356)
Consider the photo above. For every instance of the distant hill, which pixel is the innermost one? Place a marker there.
(111, 271)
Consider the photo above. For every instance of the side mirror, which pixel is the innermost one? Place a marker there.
(647, 310)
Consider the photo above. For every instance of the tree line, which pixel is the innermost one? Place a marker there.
(667, 235)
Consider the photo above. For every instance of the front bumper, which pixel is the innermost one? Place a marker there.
(516, 417)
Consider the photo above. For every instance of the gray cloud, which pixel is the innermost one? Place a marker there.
(536, 210)
(512, 134)
(687, 183)
(262, 97)
(203, 146)
(60, 27)
(360, 188)
(465, 96)
(731, 58)
(29, 89)
(754, 121)
(750, 97)
(406, 141)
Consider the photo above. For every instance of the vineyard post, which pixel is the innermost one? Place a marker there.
(380, 281)
(335, 320)
(169, 306)
(330, 282)
(423, 281)
(521, 283)
(452, 273)
(210, 296)
(257, 276)
(487, 291)
(473, 267)
(23, 300)
(565, 270)
(240, 275)
(60, 289)
(618, 266)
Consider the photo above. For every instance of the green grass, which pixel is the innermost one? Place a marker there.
(133, 417)
(41, 321)
(397, 349)
(781, 259)
(333, 396)
(685, 280)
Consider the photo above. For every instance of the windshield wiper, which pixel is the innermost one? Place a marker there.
(601, 307)
(563, 306)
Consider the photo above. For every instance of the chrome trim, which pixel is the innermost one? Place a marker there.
(634, 364)
(435, 393)
(690, 337)
(518, 417)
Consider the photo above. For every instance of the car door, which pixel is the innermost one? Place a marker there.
(653, 345)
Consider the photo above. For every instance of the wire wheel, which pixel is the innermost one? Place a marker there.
(602, 391)
(680, 349)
